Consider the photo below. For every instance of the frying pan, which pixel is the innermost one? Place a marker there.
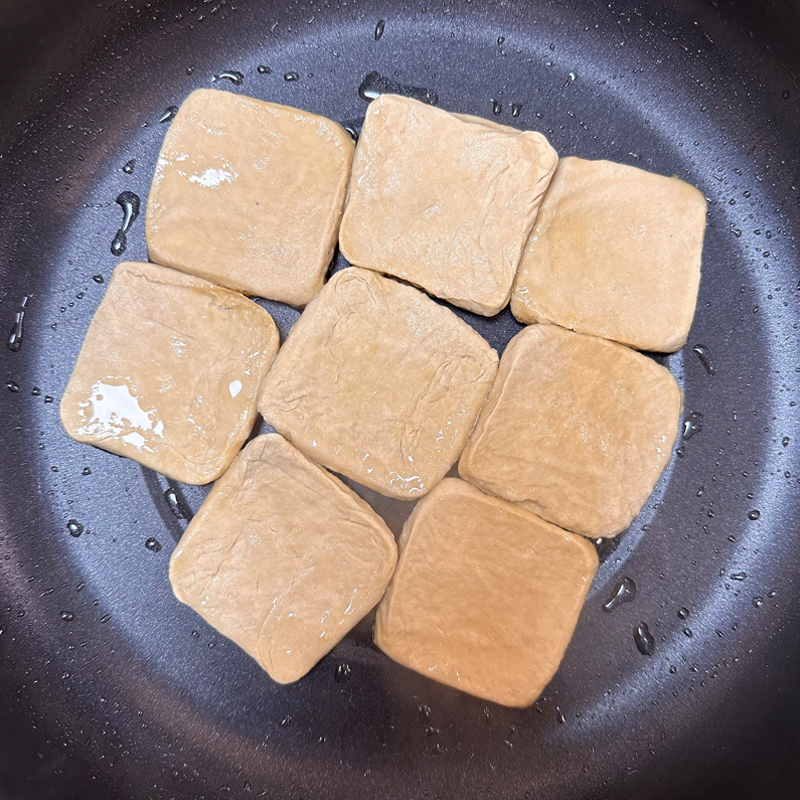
(111, 689)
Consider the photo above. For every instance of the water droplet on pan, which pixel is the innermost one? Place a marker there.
(754, 514)
(232, 75)
(683, 612)
(129, 167)
(516, 108)
(342, 673)
(644, 639)
(704, 354)
(17, 330)
(75, 528)
(606, 546)
(119, 244)
(290, 77)
(176, 504)
(12, 386)
(624, 592)
(67, 616)
(424, 713)
(497, 108)
(739, 576)
(153, 544)
(353, 127)
(130, 204)
(692, 425)
(379, 29)
(169, 114)
(375, 84)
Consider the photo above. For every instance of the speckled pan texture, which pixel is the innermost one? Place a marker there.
(111, 689)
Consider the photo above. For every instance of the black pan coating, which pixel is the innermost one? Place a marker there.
(135, 697)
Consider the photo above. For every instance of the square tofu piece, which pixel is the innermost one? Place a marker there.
(575, 429)
(282, 558)
(616, 253)
(169, 372)
(486, 596)
(249, 195)
(380, 383)
(444, 202)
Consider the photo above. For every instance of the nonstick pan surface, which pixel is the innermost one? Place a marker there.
(112, 689)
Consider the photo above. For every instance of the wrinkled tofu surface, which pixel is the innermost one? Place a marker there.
(486, 596)
(282, 558)
(615, 252)
(576, 429)
(380, 383)
(444, 202)
(169, 372)
(249, 195)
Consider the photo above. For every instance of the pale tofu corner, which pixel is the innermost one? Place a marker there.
(576, 429)
(169, 372)
(380, 383)
(249, 195)
(616, 253)
(485, 597)
(444, 201)
(282, 558)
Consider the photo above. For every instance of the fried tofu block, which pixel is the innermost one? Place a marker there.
(282, 558)
(576, 429)
(444, 202)
(169, 372)
(249, 195)
(615, 252)
(485, 597)
(380, 383)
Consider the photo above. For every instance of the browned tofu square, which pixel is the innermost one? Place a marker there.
(576, 429)
(282, 558)
(169, 372)
(615, 252)
(445, 202)
(380, 383)
(249, 195)
(486, 596)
